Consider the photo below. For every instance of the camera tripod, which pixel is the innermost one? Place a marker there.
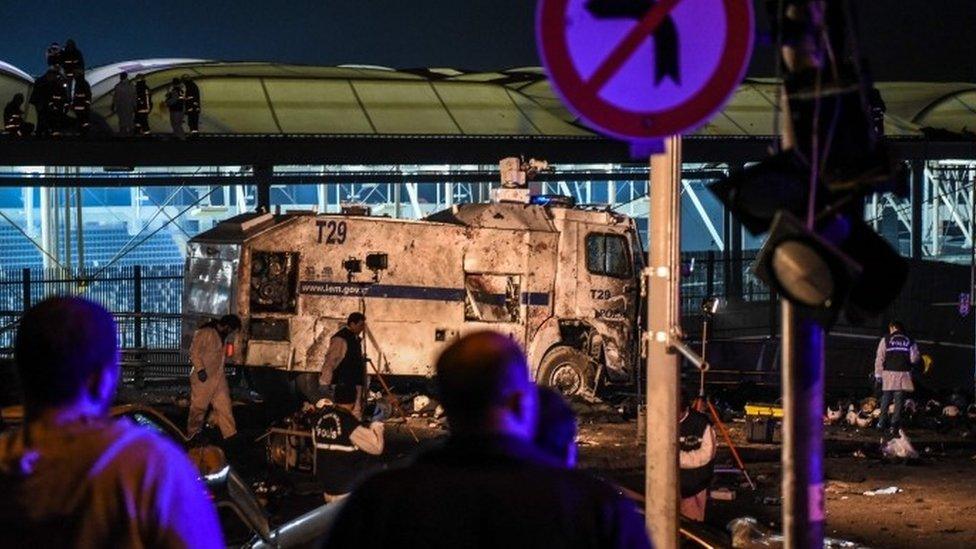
(703, 403)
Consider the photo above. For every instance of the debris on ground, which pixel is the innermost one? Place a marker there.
(747, 533)
(899, 447)
(595, 411)
(889, 491)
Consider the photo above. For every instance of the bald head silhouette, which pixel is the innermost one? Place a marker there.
(63, 344)
(484, 386)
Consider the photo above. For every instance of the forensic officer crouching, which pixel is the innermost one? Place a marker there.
(344, 444)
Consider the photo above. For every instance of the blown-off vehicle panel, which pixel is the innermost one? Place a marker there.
(562, 281)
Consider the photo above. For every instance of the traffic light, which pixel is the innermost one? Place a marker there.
(809, 197)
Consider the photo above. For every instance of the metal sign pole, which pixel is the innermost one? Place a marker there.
(664, 231)
(803, 388)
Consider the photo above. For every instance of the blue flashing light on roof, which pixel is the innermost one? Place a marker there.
(554, 200)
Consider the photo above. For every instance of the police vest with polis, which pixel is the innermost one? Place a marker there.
(898, 348)
(340, 460)
(693, 431)
(344, 443)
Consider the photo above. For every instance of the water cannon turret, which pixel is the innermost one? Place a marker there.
(515, 174)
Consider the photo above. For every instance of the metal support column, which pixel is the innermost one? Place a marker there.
(67, 228)
(28, 196)
(918, 198)
(803, 388)
(262, 182)
(664, 234)
(135, 220)
(397, 201)
(47, 227)
(80, 232)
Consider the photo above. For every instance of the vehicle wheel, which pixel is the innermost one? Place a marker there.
(566, 370)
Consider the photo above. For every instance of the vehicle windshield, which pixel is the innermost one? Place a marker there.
(208, 286)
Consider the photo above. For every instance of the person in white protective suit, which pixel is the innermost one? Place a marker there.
(208, 382)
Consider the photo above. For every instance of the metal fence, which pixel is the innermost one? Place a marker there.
(713, 274)
(145, 300)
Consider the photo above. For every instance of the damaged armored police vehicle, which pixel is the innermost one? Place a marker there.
(561, 280)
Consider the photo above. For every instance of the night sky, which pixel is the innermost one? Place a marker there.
(904, 39)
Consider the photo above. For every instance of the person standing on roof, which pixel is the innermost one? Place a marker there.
(344, 362)
(71, 60)
(71, 476)
(191, 94)
(124, 104)
(49, 97)
(13, 118)
(176, 103)
(897, 354)
(208, 382)
(53, 55)
(143, 105)
(81, 100)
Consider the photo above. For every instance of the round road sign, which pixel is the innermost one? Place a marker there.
(645, 69)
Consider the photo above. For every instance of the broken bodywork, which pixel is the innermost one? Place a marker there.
(560, 280)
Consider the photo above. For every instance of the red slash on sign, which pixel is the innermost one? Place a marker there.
(619, 66)
(629, 44)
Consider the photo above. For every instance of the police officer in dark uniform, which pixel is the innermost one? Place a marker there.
(81, 100)
(897, 354)
(13, 118)
(71, 59)
(59, 103)
(143, 105)
(191, 105)
(343, 444)
(344, 362)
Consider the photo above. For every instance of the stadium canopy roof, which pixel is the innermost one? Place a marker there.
(273, 98)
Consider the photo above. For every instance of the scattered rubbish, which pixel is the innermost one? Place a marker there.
(772, 500)
(834, 487)
(951, 411)
(420, 402)
(859, 453)
(899, 447)
(722, 494)
(864, 419)
(891, 490)
(834, 415)
(869, 405)
(747, 533)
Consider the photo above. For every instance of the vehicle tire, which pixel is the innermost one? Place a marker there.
(566, 370)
